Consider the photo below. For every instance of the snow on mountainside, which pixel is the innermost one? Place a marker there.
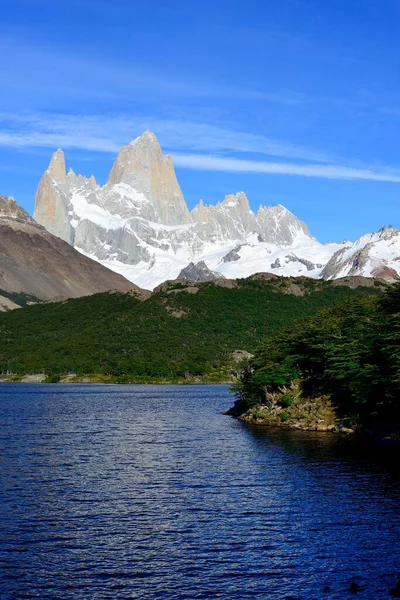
(138, 223)
(372, 255)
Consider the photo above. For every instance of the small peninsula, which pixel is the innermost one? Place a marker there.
(338, 370)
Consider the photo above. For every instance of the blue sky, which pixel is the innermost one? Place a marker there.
(293, 101)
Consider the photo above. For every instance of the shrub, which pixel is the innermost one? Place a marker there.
(52, 378)
(286, 401)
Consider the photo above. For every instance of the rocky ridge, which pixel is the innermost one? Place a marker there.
(9, 209)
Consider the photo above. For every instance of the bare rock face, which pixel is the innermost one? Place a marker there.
(240, 355)
(227, 220)
(276, 264)
(198, 272)
(310, 266)
(142, 166)
(37, 263)
(52, 199)
(233, 219)
(233, 255)
(277, 225)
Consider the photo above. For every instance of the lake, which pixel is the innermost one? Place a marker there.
(151, 492)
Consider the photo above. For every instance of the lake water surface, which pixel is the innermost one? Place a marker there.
(151, 492)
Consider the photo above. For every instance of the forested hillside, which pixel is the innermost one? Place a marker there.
(183, 331)
(348, 354)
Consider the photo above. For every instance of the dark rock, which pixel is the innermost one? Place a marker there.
(307, 263)
(198, 272)
(276, 264)
(233, 255)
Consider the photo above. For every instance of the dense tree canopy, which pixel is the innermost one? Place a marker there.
(350, 352)
(181, 331)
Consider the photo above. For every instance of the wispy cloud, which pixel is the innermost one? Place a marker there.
(215, 163)
(198, 146)
(106, 133)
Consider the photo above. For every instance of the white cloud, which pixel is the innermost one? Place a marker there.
(197, 146)
(215, 163)
(106, 133)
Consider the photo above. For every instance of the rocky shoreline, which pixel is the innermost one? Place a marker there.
(297, 425)
(287, 409)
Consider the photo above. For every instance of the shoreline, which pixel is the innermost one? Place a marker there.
(386, 439)
(360, 435)
(288, 409)
(109, 380)
(319, 428)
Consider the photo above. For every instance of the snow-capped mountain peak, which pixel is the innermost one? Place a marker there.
(374, 254)
(139, 225)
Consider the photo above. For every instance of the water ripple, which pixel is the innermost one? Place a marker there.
(149, 492)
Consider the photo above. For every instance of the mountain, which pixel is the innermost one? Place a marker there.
(36, 265)
(138, 223)
(372, 255)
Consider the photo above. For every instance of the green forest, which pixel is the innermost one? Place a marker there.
(182, 332)
(349, 353)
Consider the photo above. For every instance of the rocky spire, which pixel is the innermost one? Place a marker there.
(142, 166)
(239, 200)
(56, 168)
(237, 208)
(52, 199)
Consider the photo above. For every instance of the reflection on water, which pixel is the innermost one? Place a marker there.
(150, 492)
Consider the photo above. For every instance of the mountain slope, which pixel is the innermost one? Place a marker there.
(36, 263)
(372, 255)
(138, 223)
